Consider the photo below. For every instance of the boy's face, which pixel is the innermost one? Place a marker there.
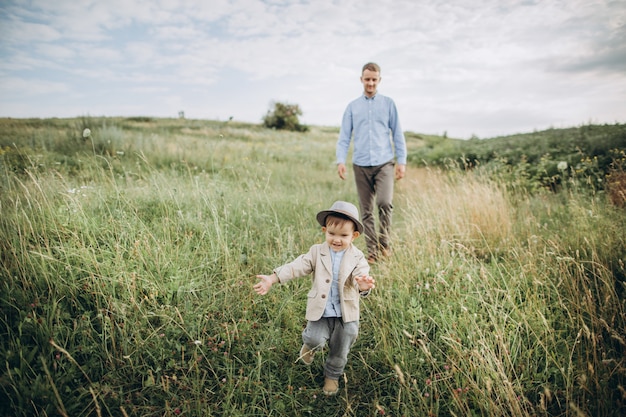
(340, 236)
(370, 80)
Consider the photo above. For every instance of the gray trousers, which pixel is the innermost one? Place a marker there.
(375, 186)
(340, 337)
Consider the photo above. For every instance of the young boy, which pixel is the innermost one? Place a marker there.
(340, 278)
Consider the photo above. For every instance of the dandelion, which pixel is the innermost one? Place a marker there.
(197, 342)
(86, 133)
(561, 166)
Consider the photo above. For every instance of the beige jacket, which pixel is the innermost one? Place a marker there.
(318, 262)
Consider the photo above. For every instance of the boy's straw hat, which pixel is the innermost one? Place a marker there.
(344, 208)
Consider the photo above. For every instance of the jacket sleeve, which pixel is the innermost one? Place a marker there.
(303, 265)
(362, 268)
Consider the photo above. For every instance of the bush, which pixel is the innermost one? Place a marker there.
(284, 116)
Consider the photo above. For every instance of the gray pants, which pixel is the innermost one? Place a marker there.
(375, 185)
(340, 337)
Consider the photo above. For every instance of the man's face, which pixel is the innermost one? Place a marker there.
(370, 80)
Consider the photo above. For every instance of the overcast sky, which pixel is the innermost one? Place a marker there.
(464, 67)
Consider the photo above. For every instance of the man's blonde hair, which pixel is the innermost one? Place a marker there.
(371, 66)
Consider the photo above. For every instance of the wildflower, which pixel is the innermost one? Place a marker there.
(561, 166)
(86, 132)
(177, 411)
(428, 381)
(197, 342)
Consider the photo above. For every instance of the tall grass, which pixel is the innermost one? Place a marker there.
(127, 268)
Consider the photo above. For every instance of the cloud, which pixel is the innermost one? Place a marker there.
(11, 87)
(486, 67)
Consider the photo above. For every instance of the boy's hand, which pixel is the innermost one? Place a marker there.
(263, 286)
(365, 282)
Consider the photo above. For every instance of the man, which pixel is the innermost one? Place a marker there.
(379, 149)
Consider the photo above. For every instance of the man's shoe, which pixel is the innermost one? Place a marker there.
(307, 354)
(331, 386)
(371, 260)
(386, 252)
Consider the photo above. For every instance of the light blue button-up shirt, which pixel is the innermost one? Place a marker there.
(377, 132)
(333, 305)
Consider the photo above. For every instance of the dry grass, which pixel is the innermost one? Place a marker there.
(464, 210)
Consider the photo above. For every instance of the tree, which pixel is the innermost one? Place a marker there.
(284, 116)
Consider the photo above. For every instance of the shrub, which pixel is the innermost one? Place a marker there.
(616, 179)
(284, 116)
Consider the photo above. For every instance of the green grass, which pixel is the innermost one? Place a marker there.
(128, 259)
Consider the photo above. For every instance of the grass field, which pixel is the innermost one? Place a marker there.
(128, 259)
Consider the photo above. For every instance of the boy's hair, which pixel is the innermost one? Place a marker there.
(339, 220)
(371, 66)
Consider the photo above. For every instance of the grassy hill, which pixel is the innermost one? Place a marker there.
(550, 158)
(128, 255)
(569, 144)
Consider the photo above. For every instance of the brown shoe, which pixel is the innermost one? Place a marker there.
(331, 386)
(307, 354)
(371, 259)
(386, 252)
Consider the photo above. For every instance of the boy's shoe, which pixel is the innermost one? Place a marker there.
(307, 354)
(331, 386)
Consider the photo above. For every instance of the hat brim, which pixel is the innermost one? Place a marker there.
(321, 218)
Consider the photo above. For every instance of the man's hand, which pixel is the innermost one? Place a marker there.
(341, 170)
(400, 170)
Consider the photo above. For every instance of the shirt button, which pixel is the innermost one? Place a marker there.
(327, 281)
(323, 295)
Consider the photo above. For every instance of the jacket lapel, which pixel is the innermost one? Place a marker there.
(327, 261)
(347, 265)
